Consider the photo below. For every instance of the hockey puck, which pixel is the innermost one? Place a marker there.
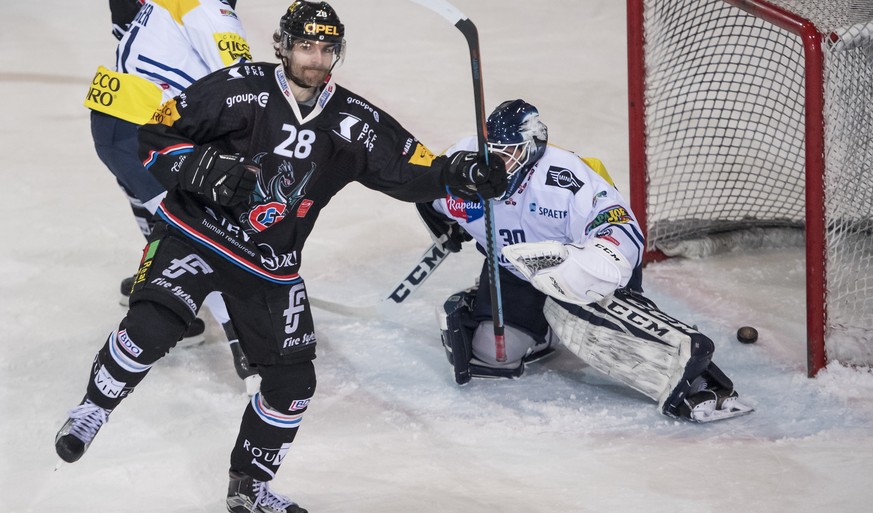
(747, 335)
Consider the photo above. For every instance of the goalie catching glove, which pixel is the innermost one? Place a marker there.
(224, 179)
(468, 177)
(574, 273)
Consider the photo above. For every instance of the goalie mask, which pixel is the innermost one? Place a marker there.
(306, 24)
(516, 133)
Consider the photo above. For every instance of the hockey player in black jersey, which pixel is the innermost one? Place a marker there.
(250, 155)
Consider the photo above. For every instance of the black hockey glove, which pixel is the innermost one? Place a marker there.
(444, 231)
(224, 179)
(468, 177)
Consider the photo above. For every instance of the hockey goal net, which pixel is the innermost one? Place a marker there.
(752, 120)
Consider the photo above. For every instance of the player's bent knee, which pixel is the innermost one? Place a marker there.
(456, 327)
(153, 326)
(288, 387)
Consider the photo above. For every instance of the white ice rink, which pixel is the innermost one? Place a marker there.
(388, 431)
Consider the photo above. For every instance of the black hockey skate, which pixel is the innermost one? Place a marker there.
(76, 434)
(248, 495)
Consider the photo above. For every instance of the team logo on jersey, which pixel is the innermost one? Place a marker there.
(263, 216)
(612, 215)
(563, 178)
(232, 47)
(274, 198)
(345, 127)
(469, 211)
(366, 135)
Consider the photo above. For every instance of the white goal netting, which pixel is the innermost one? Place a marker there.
(726, 134)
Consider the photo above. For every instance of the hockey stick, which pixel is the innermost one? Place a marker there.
(471, 34)
(426, 265)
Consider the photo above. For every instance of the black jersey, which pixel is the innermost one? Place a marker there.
(305, 159)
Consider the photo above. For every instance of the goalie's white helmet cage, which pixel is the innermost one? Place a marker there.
(758, 115)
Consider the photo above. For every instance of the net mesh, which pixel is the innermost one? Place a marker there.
(537, 263)
(725, 132)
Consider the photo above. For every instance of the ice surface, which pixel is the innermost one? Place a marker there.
(388, 431)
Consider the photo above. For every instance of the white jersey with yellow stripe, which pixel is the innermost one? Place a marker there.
(172, 43)
(168, 46)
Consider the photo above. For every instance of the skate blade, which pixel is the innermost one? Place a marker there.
(736, 410)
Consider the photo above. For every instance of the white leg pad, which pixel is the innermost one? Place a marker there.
(630, 341)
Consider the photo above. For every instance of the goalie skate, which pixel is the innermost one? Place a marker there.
(712, 405)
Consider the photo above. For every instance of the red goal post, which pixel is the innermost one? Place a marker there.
(753, 120)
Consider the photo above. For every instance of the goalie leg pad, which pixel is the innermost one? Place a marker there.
(457, 326)
(626, 337)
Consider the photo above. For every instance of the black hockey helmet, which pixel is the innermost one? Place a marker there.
(516, 133)
(123, 12)
(311, 21)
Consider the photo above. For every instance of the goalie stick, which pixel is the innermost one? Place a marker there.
(424, 267)
(471, 35)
